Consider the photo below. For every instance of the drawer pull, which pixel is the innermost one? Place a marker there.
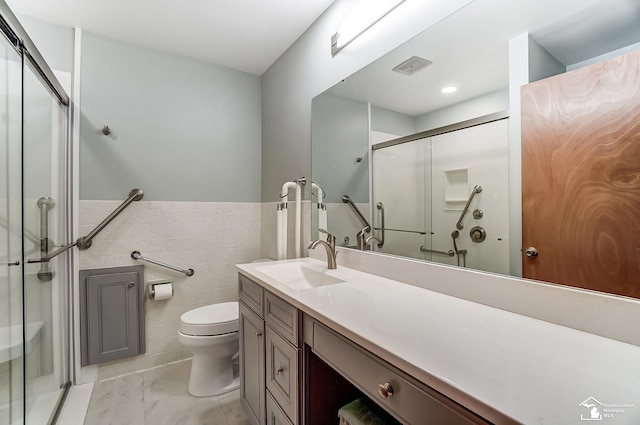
(279, 371)
(258, 334)
(385, 390)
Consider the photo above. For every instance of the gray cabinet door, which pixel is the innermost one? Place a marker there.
(113, 315)
(252, 366)
(282, 372)
(275, 415)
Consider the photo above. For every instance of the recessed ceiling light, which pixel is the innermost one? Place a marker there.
(449, 89)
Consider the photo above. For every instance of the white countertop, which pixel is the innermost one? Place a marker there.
(499, 364)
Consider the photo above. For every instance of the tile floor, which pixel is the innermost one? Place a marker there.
(159, 397)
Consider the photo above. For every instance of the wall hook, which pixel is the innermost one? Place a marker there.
(106, 130)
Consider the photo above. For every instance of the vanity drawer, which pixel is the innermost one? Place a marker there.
(409, 401)
(275, 415)
(282, 372)
(251, 294)
(283, 317)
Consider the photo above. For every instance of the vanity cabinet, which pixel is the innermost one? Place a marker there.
(404, 397)
(295, 369)
(269, 356)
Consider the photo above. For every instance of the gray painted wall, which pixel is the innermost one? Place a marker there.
(542, 64)
(339, 135)
(485, 104)
(182, 130)
(392, 122)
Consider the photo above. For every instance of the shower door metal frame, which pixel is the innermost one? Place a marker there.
(15, 33)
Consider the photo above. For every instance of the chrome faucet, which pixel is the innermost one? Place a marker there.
(361, 237)
(372, 238)
(329, 246)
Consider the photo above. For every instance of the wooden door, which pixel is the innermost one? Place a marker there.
(581, 177)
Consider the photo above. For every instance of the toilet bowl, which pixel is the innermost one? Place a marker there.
(210, 333)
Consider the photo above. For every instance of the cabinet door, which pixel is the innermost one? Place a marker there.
(275, 415)
(282, 372)
(252, 367)
(114, 320)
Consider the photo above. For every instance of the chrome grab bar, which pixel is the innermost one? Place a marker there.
(476, 189)
(450, 253)
(52, 255)
(84, 242)
(380, 206)
(347, 200)
(420, 232)
(45, 204)
(137, 256)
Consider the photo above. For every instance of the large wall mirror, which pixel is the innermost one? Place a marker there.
(484, 176)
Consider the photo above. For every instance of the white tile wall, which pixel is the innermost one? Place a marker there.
(210, 237)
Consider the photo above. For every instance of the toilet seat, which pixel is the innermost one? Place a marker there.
(215, 319)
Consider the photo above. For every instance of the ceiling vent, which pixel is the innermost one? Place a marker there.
(412, 65)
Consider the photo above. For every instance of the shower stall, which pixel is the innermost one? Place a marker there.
(34, 220)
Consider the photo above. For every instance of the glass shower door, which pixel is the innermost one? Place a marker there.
(43, 139)
(400, 176)
(11, 342)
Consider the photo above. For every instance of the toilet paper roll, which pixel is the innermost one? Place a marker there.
(162, 291)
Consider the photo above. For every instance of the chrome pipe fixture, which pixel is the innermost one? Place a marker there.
(347, 200)
(476, 189)
(84, 242)
(450, 253)
(137, 256)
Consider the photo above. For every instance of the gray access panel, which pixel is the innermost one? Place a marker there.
(111, 313)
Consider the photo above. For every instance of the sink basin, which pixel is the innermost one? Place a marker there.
(300, 275)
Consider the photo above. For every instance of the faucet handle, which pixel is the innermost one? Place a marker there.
(330, 238)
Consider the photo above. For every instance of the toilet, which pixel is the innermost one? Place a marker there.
(210, 333)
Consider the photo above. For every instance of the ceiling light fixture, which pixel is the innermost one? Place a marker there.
(362, 17)
(449, 89)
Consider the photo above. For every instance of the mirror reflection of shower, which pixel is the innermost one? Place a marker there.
(428, 185)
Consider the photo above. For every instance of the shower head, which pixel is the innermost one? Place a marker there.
(454, 236)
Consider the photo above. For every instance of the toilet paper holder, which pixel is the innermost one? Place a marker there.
(151, 288)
